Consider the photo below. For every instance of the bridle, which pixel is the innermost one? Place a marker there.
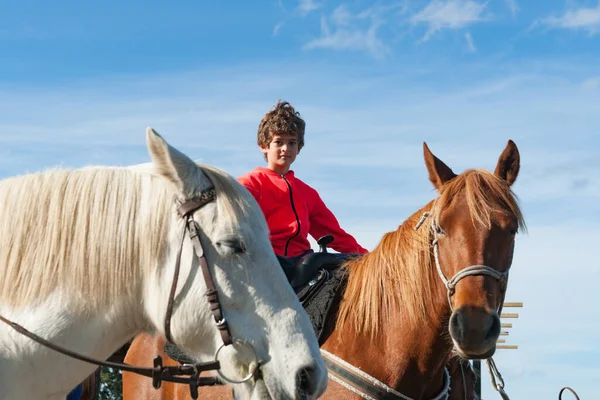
(472, 270)
(177, 373)
(186, 210)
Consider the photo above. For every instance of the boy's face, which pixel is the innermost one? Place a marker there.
(281, 152)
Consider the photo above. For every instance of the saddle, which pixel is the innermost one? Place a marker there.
(313, 265)
(318, 282)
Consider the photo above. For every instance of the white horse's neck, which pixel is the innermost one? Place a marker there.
(44, 373)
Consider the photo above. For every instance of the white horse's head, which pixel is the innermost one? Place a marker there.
(258, 303)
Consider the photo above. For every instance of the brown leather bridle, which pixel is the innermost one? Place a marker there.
(160, 373)
(186, 210)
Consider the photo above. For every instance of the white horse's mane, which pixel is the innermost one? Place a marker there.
(91, 230)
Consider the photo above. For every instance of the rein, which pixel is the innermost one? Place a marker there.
(464, 378)
(158, 373)
(366, 386)
(176, 374)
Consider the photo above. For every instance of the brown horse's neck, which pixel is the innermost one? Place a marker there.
(408, 356)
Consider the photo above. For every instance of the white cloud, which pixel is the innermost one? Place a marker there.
(470, 44)
(348, 31)
(450, 14)
(341, 16)
(512, 6)
(307, 6)
(591, 83)
(277, 28)
(587, 19)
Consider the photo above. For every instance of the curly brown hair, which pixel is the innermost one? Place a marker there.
(283, 119)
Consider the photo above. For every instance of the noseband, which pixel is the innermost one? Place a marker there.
(160, 373)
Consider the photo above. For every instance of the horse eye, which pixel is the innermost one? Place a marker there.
(240, 248)
(439, 230)
(234, 244)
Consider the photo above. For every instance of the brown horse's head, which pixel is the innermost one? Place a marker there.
(474, 223)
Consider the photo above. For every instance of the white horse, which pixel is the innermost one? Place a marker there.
(87, 258)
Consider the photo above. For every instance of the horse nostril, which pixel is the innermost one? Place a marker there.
(494, 327)
(306, 382)
(457, 325)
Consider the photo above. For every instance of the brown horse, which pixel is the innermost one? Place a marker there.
(435, 283)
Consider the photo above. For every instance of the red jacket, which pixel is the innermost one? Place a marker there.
(294, 210)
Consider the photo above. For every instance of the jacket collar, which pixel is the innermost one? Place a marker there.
(289, 176)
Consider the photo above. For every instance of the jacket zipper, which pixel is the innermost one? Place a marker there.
(295, 214)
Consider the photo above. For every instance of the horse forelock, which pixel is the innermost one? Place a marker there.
(484, 193)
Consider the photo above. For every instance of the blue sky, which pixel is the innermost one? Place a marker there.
(79, 83)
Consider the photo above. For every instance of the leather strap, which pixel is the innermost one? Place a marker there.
(211, 290)
(158, 373)
(186, 210)
(358, 382)
(366, 386)
(171, 302)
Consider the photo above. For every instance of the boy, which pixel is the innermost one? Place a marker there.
(293, 209)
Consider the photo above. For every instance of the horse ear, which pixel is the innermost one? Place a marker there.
(509, 164)
(439, 173)
(172, 164)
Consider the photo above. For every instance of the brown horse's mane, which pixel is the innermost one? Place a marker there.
(399, 274)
